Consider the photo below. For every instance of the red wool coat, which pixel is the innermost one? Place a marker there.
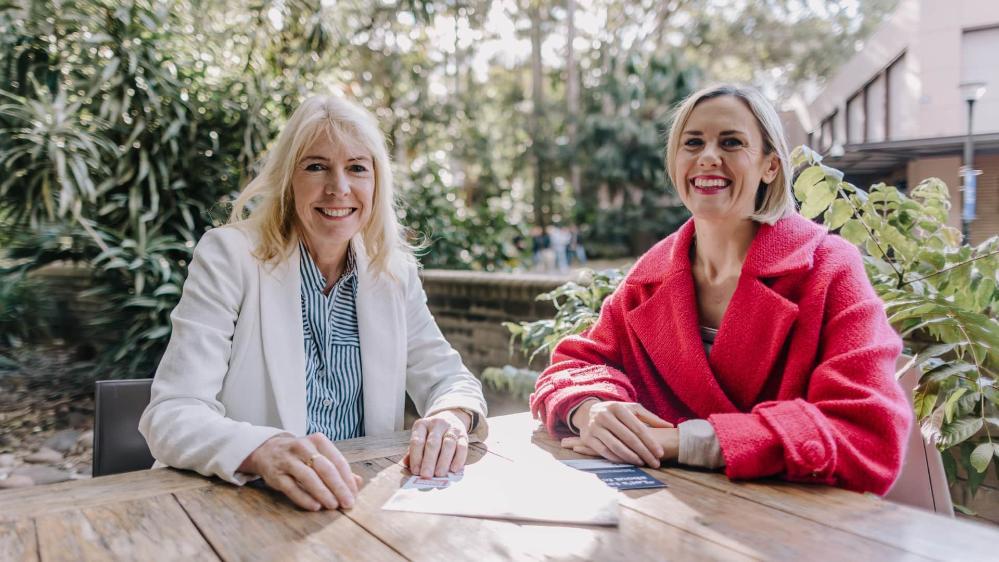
(800, 379)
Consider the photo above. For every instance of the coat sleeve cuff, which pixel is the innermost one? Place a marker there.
(236, 451)
(556, 405)
(809, 449)
(559, 391)
(749, 447)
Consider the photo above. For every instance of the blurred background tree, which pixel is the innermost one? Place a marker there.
(127, 126)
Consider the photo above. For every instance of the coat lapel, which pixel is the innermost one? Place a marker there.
(750, 340)
(753, 332)
(282, 339)
(381, 327)
(759, 319)
(667, 327)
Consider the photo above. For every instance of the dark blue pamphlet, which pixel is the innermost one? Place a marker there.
(620, 476)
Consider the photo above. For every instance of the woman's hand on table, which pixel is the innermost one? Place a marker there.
(668, 437)
(309, 470)
(438, 444)
(624, 432)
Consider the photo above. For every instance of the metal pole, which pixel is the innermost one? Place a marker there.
(970, 180)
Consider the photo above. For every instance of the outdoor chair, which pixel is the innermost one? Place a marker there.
(923, 482)
(118, 445)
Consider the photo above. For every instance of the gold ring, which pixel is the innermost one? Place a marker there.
(312, 459)
(450, 436)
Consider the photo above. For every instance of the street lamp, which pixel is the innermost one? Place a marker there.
(971, 92)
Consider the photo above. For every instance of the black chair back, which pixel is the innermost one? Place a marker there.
(118, 445)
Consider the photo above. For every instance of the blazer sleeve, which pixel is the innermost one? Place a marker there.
(185, 424)
(852, 426)
(436, 378)
(585, 365)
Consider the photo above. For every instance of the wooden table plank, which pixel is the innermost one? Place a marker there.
(931, 535)
(866, 517)
(420, 536)
(17, 541)
(152, 528)
(39, 500)
(739, 524)
(252, 524)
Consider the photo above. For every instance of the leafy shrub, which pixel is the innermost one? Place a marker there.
(126, 126)
(455, 236)
(940, 295)
(117, 138)
(24, 311)
(510, 381)
(577, 307)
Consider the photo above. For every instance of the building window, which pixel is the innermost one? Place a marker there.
(855, 118)
(876, 112)
(827, 132)
(875, 109)
(897, 126)
(978, 64)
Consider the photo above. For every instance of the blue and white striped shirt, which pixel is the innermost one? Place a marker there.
(332, 352)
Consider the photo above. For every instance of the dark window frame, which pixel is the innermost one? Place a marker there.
(866, 102)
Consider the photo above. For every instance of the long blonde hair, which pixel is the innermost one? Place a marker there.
(272, 211)
(777, 200)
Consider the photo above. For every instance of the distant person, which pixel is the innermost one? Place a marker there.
(559, 244)
(539, 245)
(749, 340)
(306, 323)
(576, 248)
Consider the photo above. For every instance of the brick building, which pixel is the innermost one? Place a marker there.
(895, 111)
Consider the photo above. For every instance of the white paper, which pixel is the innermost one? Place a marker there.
(496, 488)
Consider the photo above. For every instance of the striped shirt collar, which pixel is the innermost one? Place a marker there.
(313, 278)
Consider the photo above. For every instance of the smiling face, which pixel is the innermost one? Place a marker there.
(333, 187)
(721, 160)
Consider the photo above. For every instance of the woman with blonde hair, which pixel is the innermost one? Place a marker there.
(305, 322)
(749, 339)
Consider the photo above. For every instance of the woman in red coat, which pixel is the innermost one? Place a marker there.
(749, 339)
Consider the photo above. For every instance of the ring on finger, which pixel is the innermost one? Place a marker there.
(312, 459)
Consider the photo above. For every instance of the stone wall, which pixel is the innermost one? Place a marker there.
(470, 308)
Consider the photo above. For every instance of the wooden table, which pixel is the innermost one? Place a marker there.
(167, 514)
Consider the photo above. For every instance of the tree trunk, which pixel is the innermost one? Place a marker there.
(537, 77)
(572, 98)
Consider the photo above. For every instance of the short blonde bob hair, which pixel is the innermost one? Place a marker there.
(272, 211)
(775, 200)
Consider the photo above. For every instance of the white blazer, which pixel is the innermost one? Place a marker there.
(233, 374)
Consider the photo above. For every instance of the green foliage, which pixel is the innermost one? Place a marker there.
(27, 311)
(125, 127)
(510, 381)
(24, 311)
(577, 307)
(116, 135)
(454, 236)
(941, 296)
(626, 199)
